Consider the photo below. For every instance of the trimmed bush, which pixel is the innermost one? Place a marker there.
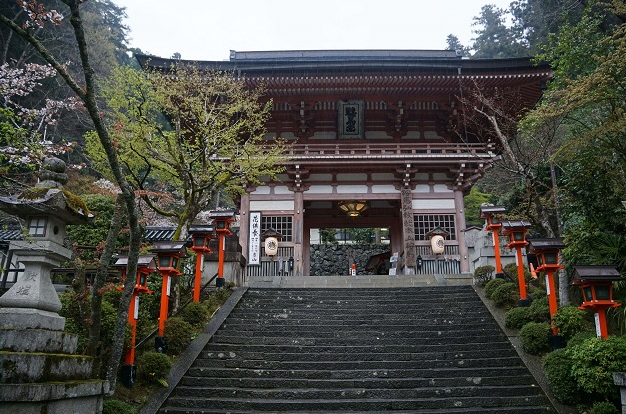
(557, 366)
(112, 406)
(506, 295)
(517, 317)
(595, 361)
(570, 320)
(580, 338)
(540, 309)
(604, 407)
(535, 337)
(511, 270)
(483, 274)
(153, 367)
(177, 335)
(195, 313)
(492, 285)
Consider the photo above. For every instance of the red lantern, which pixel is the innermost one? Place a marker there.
(516, 232)
(596, 284)
(492, 216)
(201, 236)
(222, 220)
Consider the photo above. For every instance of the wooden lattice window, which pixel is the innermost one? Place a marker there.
(282, 224)
(426, 222)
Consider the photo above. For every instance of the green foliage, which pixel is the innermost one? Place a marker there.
(595, 361)
(153, 367)
(517, 317)
(506, 295)
(570, 320)
(328, 236)
(535, 337)
(113, 406)
(472, 203)
(511, 270)
(483, 274)
(495, 39)
(557, 366)
(492, 285)
(604, 407)
(540, 309)
(195, 313)
(178, 335)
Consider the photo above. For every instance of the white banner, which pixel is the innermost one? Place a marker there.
(254, 242)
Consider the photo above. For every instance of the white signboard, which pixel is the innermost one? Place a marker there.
(136, 313)
(254, 242)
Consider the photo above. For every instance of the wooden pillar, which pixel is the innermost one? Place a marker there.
(298, 234)
(459, 212)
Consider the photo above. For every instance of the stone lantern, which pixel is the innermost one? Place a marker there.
(516, 232)
(596, 285)
(222, 220)
(168, 255)
(31, 330)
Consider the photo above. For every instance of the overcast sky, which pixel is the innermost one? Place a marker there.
(209, 29)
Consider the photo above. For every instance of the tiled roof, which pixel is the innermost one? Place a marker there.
(157, 233)
(10, 234)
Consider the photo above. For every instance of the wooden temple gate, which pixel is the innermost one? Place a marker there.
(383, 127)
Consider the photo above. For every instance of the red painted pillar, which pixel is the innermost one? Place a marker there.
(220, 265)
(165, 301)
(198, 275)
(496, 249)
(129, 358)
(551, 297)
(520, 274)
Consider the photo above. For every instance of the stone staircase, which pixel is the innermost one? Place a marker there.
(405, 350)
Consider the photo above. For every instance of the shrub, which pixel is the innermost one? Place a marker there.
(557, 366)
(153, 367)
(492, 285)
(570, 320)
(579, 338)
(506, 295)
(177, 335)
(595, 361)
(483, 274)
(511, 270)
(604, 407)
(535, 337)
(112, 406)
(540, 309)
(517, 317)
(195, 313)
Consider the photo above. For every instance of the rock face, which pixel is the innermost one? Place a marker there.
(328, 260)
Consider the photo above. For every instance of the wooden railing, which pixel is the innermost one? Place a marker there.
(381, 149)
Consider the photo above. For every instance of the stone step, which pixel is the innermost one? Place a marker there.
(354, 356)
(502, 345)
(358, 365)
(459, 337)
(467, 410)
(443, 404)
(367, 383)
(460, 371)
(310, 393)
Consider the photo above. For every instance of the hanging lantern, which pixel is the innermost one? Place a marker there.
(271, 246)
(437, 239)
(353, 208)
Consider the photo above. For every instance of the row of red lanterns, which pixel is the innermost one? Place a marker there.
(595, 282)
(168, 255)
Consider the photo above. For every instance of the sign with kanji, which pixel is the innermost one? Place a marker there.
(254, 243)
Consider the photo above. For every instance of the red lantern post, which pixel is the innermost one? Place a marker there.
(222, 220)
(516, 232)
(201, 235)
(596, 284)
(547, 252)
(492, 216)
(145, 265)
(168, 254)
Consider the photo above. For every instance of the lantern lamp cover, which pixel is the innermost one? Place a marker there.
(547, 244)
(488, 210)
(596, 273)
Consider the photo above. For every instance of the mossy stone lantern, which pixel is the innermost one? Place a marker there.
(547, 253)
(145, 265)
(596, 285)
(222, 220)
(168, 256)
(493, 223)
(201, 236)
(516, 233)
